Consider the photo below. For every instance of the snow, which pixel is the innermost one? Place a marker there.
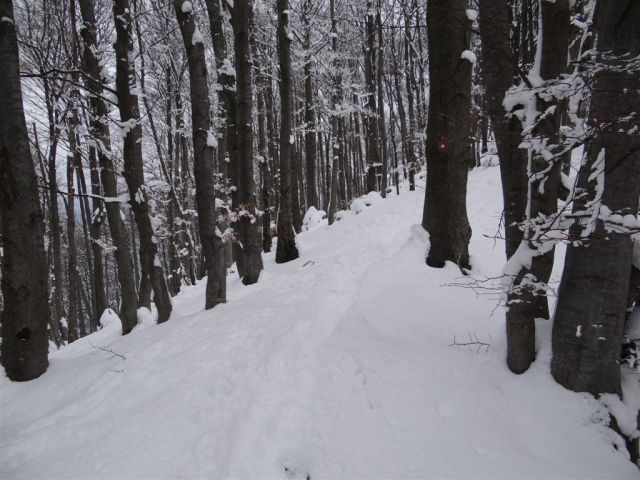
(335, 365)
(212, 141)
(227, 68)
(197, 37)
(469, 56)
(472, 15)
(314, 218)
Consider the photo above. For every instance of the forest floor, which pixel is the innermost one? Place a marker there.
(337, 365)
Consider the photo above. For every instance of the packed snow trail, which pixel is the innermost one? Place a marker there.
(336, 365)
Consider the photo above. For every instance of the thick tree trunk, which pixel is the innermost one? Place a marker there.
(133, 164)
(250, 242)
(587, 330)
(204, 174)
(24, 347)
(445, 206)
(100, 131)
(286, 249)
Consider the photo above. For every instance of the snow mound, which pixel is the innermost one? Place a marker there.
(313, 218)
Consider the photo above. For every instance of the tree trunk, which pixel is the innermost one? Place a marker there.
(24, 347)
(310, 142)
(250, 242)
(99, 129)
(499, 70)
(286, 249)
(382, 129)
(72, 255)
(588, 329)
(528, 301)
(204, 174)
(133, 164)
(373, 153)
(54, 230)
(445, 206)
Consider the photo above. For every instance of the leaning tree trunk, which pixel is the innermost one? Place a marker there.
(24, 347)
(133, 165)
(448, 127)
(590, 313)
(204, 174)
(286, 249)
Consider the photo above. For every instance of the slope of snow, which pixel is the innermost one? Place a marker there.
(336, 365)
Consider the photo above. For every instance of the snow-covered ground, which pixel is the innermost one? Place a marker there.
(336, 365)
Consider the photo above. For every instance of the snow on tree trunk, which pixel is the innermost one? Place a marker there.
(286, 249)
(152, 274)
(204, 174)
(588, 328)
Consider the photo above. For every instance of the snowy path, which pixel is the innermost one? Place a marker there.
(337, 365)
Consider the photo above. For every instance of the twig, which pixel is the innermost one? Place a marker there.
(473, 341)
(108, 350)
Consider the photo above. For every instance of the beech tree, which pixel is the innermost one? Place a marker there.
(592, 298)
(286, 249)
(448, 128)
(24, 348)
(526, 298)
(152, 275)
(247, 221)
(203, 143)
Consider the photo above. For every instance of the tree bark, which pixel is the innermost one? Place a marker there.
(72, 256)
(382, 129)
(133, 164)
(286, 249)
(310, 142)
(99, 129)
(526, 301)
(24, 347)
(445, 205)
(588, 329)
(499, 71)
(204, 174)
(250, 242)
(373, 152)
